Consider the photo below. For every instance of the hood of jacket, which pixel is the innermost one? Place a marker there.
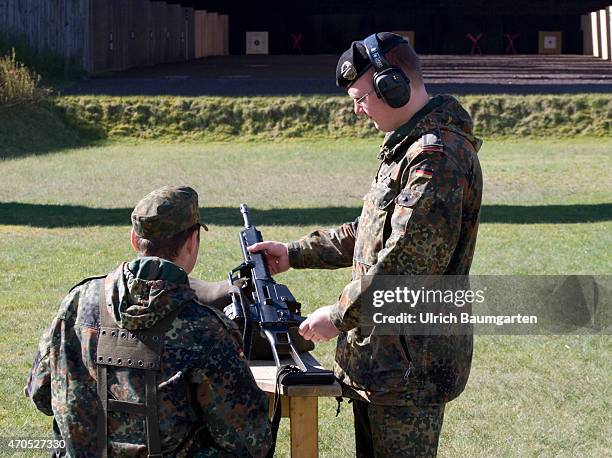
(141, 292)
(443, 112)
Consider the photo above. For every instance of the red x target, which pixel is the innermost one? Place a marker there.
(474, 40)
(297, 39)
(510, 38)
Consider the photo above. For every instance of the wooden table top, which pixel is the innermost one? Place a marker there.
(264, 372)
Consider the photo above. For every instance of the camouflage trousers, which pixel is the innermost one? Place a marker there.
(396, 431)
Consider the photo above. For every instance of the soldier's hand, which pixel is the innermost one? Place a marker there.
(318, 327)
(276, 255)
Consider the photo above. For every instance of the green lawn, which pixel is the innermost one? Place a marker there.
(547, 209)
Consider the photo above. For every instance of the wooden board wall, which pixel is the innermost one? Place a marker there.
(105, 35)
(225, 34)
(120, 10)
(138, 13)
(60, 27)
(199, 32)
(173, 44)
(212, 34)
(188, 44)
(158, 13)
(101, 39)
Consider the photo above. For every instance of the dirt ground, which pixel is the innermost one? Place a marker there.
(307, 74)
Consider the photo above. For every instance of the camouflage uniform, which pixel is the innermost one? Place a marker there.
(420, 217)
(208, 402)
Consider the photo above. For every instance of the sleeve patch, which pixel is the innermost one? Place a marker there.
(423, 172)
(408, 197)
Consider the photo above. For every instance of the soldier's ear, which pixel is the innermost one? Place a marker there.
(133, 239)
(195, 239)
(191, 245)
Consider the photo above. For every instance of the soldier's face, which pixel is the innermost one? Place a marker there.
(367, 103)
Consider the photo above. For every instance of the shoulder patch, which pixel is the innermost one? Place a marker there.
(82, 282)
(432, 140)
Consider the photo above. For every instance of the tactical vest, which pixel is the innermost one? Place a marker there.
(137, 350)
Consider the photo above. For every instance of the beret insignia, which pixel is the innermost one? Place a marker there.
(348, 71)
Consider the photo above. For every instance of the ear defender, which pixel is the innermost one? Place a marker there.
(390, 83)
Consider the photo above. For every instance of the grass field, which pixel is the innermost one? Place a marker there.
(547, 209)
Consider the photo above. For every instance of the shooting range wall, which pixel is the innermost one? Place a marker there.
(107, 35)
(121, 33)
(173, 44)
(187, 34)
(138, 18)
(439, 26)
(60, 27)
(212, 34)
(103, 35)
(597, 33)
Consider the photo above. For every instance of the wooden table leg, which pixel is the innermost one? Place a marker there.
(284, 405)
(303, 414)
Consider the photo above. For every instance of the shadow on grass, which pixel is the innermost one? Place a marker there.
(41, 128)
(51, 216)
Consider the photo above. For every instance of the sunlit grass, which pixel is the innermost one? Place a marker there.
(546, 210)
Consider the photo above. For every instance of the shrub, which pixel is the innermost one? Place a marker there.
(55, 70)
(17, 83)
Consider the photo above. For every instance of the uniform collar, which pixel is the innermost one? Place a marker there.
(398, 137)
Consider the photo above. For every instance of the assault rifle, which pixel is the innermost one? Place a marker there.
(268, 308)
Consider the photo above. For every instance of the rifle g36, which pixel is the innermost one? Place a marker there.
(269, 308)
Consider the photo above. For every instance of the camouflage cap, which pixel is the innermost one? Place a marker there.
(166, 211)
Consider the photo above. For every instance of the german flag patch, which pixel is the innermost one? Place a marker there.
(424, 172)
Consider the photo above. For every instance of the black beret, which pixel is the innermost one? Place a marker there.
(354, 62)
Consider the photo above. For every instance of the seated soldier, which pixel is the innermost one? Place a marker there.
(137, 348)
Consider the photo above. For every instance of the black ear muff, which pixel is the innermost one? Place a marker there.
(390, 83)
(393, 87)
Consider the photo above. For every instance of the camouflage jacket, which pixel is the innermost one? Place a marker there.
(420, 217)
(208, 402)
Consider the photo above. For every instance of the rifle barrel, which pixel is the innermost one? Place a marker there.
(244, 209)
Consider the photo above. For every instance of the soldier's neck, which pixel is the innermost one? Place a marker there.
(418, 99)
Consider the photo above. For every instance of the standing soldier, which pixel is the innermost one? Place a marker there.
(420, 217)
(137, 348)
